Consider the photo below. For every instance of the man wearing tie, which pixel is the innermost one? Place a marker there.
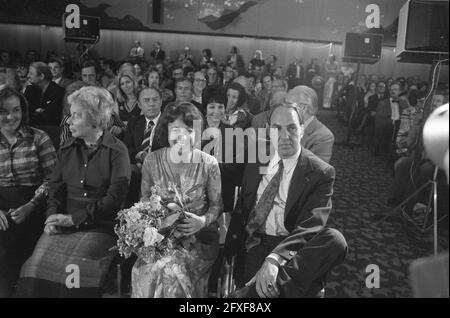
(139, 137)
(278, 229)
(387, 121)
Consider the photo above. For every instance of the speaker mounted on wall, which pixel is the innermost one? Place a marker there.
(88, 32)
(423, 31)
(362, 48)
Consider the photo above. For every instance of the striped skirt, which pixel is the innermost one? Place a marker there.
(67, 265)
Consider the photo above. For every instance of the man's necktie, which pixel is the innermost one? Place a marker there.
(147, 135)
(262, 209)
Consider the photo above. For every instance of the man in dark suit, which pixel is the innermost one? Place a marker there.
(57, 68)
(139, 138)
(295, 73)
(278, 229)
(387, 121)
(46, 107)
(372, 111)
(158, 54)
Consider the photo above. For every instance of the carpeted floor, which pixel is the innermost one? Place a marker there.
(360, 194)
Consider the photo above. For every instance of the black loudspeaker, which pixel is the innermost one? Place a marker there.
(423, 31)
(363, 48)
(88, 32)
(157, 11)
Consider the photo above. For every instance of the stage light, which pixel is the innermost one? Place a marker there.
(435, 135)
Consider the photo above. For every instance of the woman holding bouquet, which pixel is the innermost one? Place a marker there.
(86, 191)
(185, 271)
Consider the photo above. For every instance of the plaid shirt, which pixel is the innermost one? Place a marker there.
(29, 161)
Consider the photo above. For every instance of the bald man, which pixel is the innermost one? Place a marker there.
(317, 138)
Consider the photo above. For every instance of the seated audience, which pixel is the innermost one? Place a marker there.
(27, 159)
(252, 102)
(387, 121)
(127, 97)
(47, 100)
(261, 120)
(57, 68)
(278, 230)
(414, 169)
(317, 138)
(236, 113)
(199, 174)
(87, 189)
(199, 84)
(139, 137)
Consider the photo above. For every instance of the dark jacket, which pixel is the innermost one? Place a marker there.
(91, 188)
(291, 74)
(308, 205)
(160, 56)
(51, 101)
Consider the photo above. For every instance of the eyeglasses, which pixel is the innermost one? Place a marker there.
(199, 80)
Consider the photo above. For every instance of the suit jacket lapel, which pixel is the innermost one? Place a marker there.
(298, 183)
(140, 129)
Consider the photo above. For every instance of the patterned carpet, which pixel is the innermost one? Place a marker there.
(360, 194)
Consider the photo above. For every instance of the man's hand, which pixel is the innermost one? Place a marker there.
(62, 220)
(192, 224)
(21, 213)
(266, 280)
(4, 225)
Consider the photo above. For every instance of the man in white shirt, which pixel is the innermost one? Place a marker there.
(278, 230)
(139, 137)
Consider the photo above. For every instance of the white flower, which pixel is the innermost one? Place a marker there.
(152, 237)
(134, 216)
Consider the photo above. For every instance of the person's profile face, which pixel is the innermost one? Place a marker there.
(79, 122)
(290, 132)
(150, 102)
(33, 76)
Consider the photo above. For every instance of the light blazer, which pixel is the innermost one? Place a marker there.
(319, 140)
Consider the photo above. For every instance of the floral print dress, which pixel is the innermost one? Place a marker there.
(185, 272)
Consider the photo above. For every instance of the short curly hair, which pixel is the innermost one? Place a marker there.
(98, 103)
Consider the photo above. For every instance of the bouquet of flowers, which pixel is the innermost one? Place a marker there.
(148, 229)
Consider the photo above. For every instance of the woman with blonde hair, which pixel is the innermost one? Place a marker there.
(86, 190)
(127, 96)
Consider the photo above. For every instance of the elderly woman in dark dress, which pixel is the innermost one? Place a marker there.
(87, 189)
(27, 157)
